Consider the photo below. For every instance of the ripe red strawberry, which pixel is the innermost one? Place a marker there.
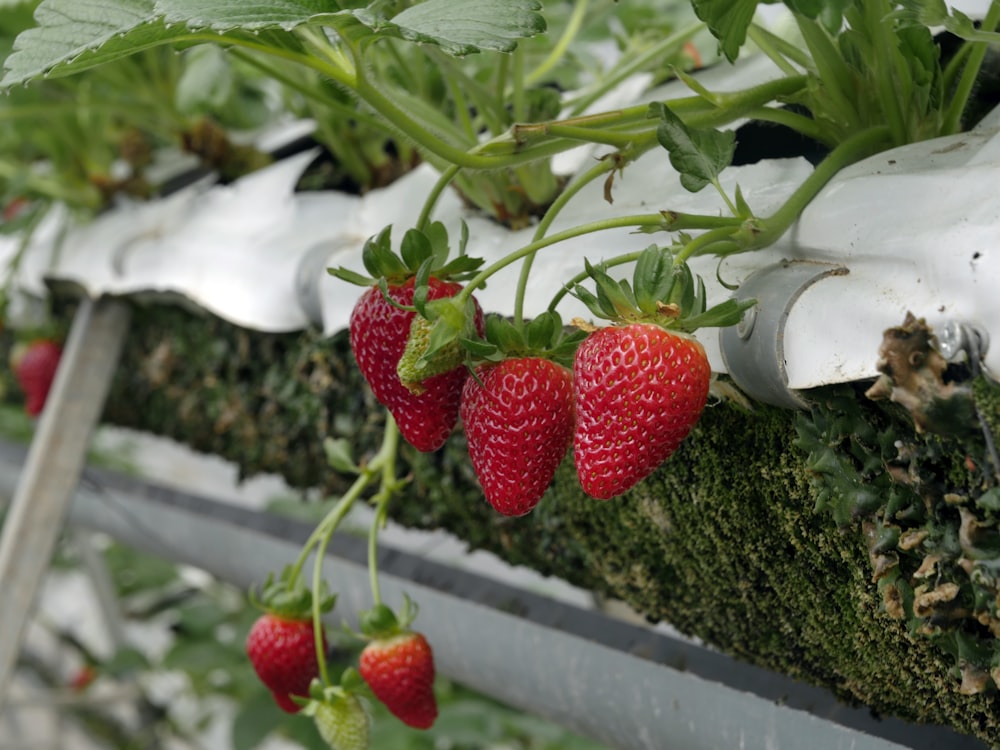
(343, 722)
(379, 332)
(518, 421)
(35, 368)
(283, 653)
(639, 390)
(399, 669)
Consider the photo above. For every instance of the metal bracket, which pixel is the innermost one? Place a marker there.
(754, 349)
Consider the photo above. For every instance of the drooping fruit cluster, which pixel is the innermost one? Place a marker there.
(35, 368)
(637, 387)
(281, 644)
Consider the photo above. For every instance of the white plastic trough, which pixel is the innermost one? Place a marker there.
(912, 229)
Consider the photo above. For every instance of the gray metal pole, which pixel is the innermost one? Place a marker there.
(53, 466)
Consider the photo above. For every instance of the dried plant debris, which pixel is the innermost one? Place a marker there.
(924, 493)
(914, 374)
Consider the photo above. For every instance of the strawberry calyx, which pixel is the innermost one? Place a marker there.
(544, 337)
(288, 598)
(663, 291)
(422, 254)
(381, 623)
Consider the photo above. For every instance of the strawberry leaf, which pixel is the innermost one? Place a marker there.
(461, 27)
(699, 155)
(728, 20)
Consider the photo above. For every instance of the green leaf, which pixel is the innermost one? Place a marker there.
(461, 27)
(728, 20)
(699, 155)
(225, 15)
(73, 35)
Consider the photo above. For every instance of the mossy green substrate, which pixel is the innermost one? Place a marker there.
(724, 541)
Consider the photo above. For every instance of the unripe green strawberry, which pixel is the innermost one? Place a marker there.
(412, 369)
(283, 653)
(518, 418)
(399, 669)
(379, 332)
(343, 722)
(639, 389)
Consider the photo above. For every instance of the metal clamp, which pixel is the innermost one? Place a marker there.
(754, 349)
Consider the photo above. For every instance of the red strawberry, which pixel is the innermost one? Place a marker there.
(283, 653)
(518, 420)
(639, 390)
(379, 332)
(35, 368)
(399, 669)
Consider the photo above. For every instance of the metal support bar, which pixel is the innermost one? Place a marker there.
(53, 465)
(627, 686)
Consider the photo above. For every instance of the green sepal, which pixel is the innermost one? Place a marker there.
(381, 622)
(724, 314)
(339, 456)
(352, 681)
(378, 621)
(289, 598)
(425, 252)
(663, 292)
(544, 337)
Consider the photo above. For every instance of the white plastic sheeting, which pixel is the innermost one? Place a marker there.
(917, 229)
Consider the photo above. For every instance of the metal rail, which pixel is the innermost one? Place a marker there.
(628, 686)
(52, 467)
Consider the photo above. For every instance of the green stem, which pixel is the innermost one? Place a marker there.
(519, 99)
(892, 77)
(832, 70)
(636, 64)
(558, 51)
(807, 126)
(970, 72)
(781, 51)
(442, 183)
(317, 611)
(764, 232)
(637, 220)
(607, 164)
(582, 276)
(390, 483)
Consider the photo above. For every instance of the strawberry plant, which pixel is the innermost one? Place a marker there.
(462, 84)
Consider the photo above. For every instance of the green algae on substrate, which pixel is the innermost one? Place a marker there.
(723, 541)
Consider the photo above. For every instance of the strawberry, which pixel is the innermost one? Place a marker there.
(518, 418)
(639, 389)
(425, 407)
(35, 368)
(283, 653)
(640, 385)
(379, 332)
(343, 722)
(399, 669)
(281, 643)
